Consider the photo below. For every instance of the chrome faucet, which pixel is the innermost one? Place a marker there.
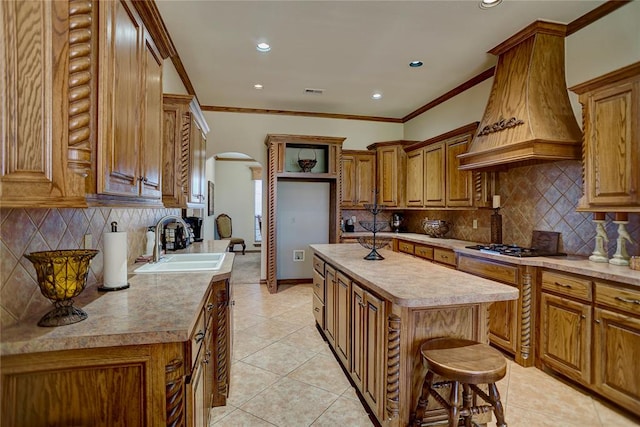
(159, 225)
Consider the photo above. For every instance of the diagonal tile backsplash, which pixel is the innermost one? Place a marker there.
(29, 230)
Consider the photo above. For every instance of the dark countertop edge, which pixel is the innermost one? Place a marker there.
(571, 264)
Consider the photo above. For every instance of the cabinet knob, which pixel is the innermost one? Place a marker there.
(583, 316)
(210, 307)
(597, 320)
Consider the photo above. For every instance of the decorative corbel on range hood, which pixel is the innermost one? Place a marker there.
(528, 114)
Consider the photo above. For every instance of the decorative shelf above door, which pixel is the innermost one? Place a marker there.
(300, 158)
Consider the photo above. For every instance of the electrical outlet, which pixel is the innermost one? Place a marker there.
(298, 255)
(475, 224)
(87, 241)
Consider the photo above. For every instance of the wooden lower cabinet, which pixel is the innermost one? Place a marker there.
(590, 332)
(615, 359)
(343, 318)
(368, 317)
(511, 323)
(168, 384)
(330, 285)
(565, 336)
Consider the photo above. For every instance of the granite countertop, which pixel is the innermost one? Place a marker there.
(156, 308)
(412, 282)
(570, 264)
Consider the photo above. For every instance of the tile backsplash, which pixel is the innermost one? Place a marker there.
(535, 197)
(29, 230)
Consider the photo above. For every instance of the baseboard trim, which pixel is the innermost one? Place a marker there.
(294, 281)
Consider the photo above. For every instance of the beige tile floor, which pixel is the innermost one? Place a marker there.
(283, 374)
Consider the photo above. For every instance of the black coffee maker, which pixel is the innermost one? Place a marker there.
(196, 225)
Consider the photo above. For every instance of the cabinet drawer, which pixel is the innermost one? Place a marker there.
(444, 256)
(405, 247)
(619, 298)
(572, 286)
(489, 269)
(318, 311)
(318, 286)
(318, 265)
(425, 252)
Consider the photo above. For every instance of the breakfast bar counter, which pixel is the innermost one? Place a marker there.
(376, 314)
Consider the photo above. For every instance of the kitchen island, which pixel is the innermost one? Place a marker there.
(154, 354)
(375, 315)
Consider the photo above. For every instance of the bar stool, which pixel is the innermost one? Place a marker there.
(466, 362)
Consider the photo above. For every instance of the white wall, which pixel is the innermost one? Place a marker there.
(302, 219)
(234, 196)
(171, 81)
(245, 133)
(606, 45)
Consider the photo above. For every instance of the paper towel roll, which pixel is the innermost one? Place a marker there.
(115, 259)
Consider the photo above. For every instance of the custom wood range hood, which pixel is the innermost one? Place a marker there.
(528, 114)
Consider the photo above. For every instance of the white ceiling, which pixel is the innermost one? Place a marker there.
(348, 48)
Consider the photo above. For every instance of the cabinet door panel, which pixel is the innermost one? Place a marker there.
(119, 89)
(374, 350)
(358, 315)
(343, 319)
(613, 151)
(434, 178)
(616, 355)
(365, 179)
(388, 176)
(415, 178)
(503, 325)
(330, 304)
(152, 158)
(348, 193)
(566, 336)
(459, 183)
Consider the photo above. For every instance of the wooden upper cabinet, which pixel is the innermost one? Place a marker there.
(151, 185)
(45, 123)
(415, 180)
(391, 172)
(611, 149)
(176, 127)
(434, 175)
(183, 152)
(358, 178)
(458, 183)
(434, 179)
(129, 122)
(198, 148)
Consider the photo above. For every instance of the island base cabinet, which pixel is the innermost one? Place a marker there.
(616, 366)
(467, 322)
(368, 321)
(132, 386)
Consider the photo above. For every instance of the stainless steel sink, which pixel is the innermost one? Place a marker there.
(184, 262)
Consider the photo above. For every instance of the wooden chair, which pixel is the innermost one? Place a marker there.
(223, 225)
(466, 362)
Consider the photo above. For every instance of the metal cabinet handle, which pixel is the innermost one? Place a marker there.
(597, 320)
(317, 310)
(199, 336)
(629, 300)
(210, 307)
(562, 285)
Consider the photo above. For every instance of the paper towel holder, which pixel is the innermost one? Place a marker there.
(103, 288)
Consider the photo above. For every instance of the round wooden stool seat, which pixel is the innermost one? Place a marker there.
(464, 361)
(460, 362)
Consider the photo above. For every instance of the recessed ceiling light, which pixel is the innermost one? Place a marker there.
(258, 86)
(415, 64)
(487, 4)
(263, 47)
(376, 95)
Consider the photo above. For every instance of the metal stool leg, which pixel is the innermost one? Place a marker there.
(424, 398)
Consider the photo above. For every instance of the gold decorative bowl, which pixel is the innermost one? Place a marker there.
(62, 275)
